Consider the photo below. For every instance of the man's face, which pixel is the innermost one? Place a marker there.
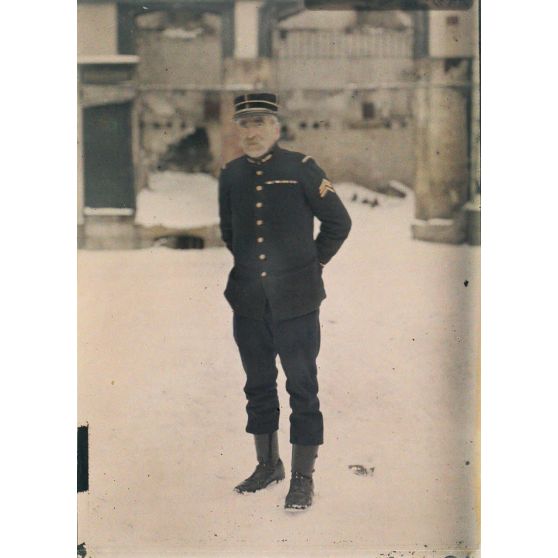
(257, 134)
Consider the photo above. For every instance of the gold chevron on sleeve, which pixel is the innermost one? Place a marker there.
(326, 187)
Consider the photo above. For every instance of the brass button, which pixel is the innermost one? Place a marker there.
(259, 188)
(259, 222)
(263, 273)
(262, 256)
(259, 172)
(259, 204)
(260, 239)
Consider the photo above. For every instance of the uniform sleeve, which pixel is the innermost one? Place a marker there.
(225, 215)
(335, 222)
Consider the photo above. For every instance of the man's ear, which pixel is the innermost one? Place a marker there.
(277, 129)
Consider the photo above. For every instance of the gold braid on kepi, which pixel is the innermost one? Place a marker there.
(255, 103)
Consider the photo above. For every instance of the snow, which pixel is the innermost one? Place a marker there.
(179, 33)
(178, 200)
(438, 222)
(182, 200)
(160, 386)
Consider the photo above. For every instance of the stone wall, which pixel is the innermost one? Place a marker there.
(96, 29)
(179, 50)
(331, 127)
(167, 117)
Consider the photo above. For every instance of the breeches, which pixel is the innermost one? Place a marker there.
(297, 342)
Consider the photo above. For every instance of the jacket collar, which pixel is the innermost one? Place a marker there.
(267, 156)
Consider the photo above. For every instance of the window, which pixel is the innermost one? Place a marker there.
(368, 111)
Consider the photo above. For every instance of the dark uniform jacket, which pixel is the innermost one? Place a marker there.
(267, 208)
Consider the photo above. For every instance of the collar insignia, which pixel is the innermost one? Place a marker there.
(260, 161)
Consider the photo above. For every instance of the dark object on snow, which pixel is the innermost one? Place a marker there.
(354, 198)
(362, 471)
(180, 242)
(372, 203)
(270, 468)
(301, 490)
(390, 189)
(81, 551)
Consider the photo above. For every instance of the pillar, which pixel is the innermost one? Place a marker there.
(244, 71)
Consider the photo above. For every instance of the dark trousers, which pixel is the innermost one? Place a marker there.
(297, 342)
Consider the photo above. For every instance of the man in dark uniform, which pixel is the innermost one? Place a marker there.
(268, 199)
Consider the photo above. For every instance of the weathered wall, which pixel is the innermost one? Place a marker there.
(330, 127)
(320, 19)
(451, 33)
(168, 116)
(180, 75)
(179, 52)
(366, 157)
(331, 58)
(346, 87)
(96, 29)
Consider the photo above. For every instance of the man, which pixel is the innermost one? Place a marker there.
(268, 199)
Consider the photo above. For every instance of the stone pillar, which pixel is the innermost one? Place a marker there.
(246, 26)
(442, 142)
(444, 123)
(473, 207)
(243, 72)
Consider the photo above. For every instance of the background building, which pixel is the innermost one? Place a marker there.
(375, 96)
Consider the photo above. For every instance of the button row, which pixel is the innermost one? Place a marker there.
(259, 223)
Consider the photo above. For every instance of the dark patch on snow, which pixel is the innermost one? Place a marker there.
(465, 282)
(372, 203)
(390, 189)
(361, 470)
(181, 242)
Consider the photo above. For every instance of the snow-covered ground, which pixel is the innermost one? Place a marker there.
(178, 200)
(160, 386)
(182, 200)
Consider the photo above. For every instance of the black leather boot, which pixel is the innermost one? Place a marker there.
(270, 468)
(301, 490)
